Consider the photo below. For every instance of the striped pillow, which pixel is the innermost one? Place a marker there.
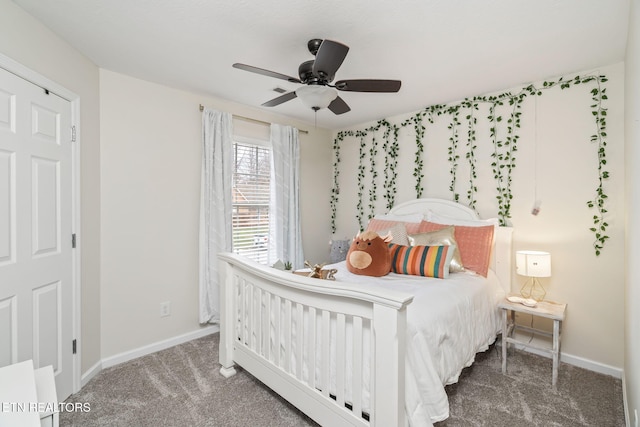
(429, 261)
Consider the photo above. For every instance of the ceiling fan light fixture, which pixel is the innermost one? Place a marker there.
(316, 97)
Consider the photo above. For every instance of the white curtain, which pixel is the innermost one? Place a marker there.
(215, 207)
(284, 209)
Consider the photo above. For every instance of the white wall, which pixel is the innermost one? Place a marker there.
(150, 175)
(592, 286)
(632, 182)
(30, 43)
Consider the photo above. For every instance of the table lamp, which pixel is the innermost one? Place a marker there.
(533, 264)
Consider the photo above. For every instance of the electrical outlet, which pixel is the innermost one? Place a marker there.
(165, 309)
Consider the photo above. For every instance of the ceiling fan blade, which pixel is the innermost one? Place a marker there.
(369, 85)
(264, 72)
(338, 106)
(279, 100)
(329, 58)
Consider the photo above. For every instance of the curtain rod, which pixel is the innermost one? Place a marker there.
(249, 119)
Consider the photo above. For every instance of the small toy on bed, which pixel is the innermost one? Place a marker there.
(320, 273)
(369, 254)
(316, 271)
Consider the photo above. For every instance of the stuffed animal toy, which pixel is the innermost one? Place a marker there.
(369, 254)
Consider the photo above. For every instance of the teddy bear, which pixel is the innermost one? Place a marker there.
(369, 254)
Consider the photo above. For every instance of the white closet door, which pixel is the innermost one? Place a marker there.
(36, 307)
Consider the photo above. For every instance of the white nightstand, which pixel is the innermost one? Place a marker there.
(549, 309)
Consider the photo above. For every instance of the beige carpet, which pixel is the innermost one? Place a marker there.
(181, 386)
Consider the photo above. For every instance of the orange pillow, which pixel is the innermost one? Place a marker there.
(474, 244)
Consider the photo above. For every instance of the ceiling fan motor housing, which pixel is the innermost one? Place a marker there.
(305, 71)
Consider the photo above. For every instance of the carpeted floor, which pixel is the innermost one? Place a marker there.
(181, 386)
(524, 397)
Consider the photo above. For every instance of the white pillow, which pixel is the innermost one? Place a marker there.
(398, 232)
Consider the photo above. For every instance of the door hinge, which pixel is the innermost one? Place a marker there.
(73, 241)
(74, 346)
(73, 134)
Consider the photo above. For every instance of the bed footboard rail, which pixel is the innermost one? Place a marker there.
(334, 350)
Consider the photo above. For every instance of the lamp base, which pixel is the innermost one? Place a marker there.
(532, 288)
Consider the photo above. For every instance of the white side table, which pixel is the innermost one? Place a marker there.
(549, 309)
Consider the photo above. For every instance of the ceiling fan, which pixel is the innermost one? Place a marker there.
(316, 76)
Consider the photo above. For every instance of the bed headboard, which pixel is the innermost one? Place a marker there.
(501, 257)
(439, 206)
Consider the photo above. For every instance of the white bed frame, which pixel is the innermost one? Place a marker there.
(250, 330)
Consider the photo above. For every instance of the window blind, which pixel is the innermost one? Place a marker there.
(251, 193)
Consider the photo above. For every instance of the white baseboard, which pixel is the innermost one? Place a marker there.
(90, 373)
(157, 346)
(580, 362)
(591, 365)
(145, 350)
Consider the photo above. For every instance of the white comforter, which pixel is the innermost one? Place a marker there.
(449, 321)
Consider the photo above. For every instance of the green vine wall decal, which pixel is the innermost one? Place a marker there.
(472, 106)
(454, 111)
(373, 194)
(392, 154)
(600, 113)
(502, 134)
(496, 164)
(417, 171)
(335, 189)
(361, 177)
(388, 167)
(508, 157)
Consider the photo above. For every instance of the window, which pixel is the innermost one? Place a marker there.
(251, 192)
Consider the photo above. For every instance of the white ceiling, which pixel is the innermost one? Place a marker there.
(442, 50)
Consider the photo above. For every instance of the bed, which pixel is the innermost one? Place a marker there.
(362, 351)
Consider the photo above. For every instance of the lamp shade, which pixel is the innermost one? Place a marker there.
(533, 263)
(316, 96)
